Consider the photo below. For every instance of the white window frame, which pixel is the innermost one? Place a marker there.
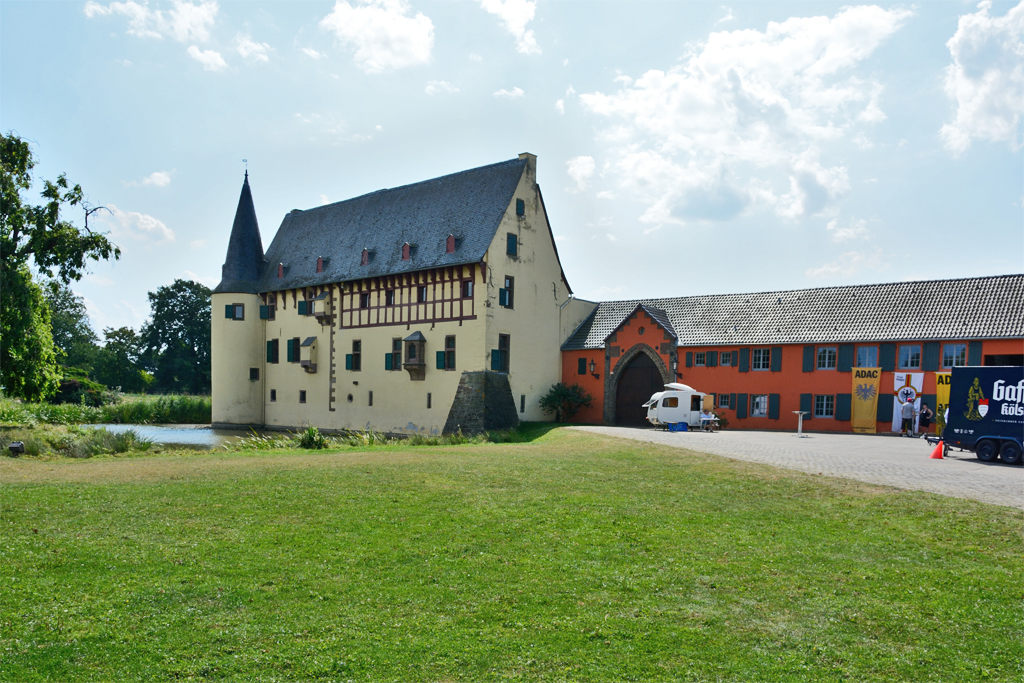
(827, 405)
(826, 354)
(909, 365)
(867, 346)
(722, 356)
(726, 404)
(700, 358)
(960, 355)
(759, 405)
(761, 359)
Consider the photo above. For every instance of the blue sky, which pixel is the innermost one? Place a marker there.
(683, 148)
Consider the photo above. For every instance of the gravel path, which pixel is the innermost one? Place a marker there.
(891, 461)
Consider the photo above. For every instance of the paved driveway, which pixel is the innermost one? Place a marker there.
(892, 461)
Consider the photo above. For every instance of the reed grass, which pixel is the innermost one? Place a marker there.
(167, 409)
(74, 442)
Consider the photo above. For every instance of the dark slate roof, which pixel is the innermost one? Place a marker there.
(468, 205)
(244, 263)
(657, 315)
(969, 308)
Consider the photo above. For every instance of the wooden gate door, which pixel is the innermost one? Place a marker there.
(638, 382)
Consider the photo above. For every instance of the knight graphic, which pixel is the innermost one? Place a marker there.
(974, 397)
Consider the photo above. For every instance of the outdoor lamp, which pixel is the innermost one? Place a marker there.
(593, 366)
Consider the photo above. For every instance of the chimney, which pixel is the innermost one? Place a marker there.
(531, 165)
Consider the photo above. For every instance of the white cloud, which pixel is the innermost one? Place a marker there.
(850, 263)
(382, 33)
(324, 199)
(509, 94)
(247, 47)
(204, 279)
(986, 79)
(516, 14)
(313, 54)
(210, 59)
(434, 87)
(606, 293)
(154, 179)
(743, 120)
(560, 106)
(98, 280)
(728, 16)
(852, 231)
(196, 245)
(580, 169)
(186, 21)
(138, 226)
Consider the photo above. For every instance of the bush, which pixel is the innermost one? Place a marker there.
(76, 387)
(565, 401)
(311, 437)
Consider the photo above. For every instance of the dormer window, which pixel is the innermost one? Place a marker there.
(365, 260)
(449, 245)
(406, 252)
(280, 271)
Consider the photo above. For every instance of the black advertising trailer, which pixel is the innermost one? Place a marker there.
(986, 412)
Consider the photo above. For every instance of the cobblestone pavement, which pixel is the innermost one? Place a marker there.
(891, 461)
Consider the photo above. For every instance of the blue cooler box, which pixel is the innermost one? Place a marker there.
(677, 427)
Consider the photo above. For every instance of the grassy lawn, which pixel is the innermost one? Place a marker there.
(573, 557)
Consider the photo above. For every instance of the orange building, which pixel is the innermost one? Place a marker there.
(765, 355)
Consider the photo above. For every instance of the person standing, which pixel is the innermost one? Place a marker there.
(926, 418)
(908, 413)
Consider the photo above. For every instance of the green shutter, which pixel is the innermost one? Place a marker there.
(291, 350)
(348, 361)
(512, 245)
(930, 356)
(773, 406)
(302, 308)
(741, 406)
(440, 360)
(496, 360)
(887, 359)
(264, 312)
(884, 406)
(270, 351)
(744, 364)
(732, 401)
(843, 403)
(712, 360)
(845, 361)
(689, 359)
(776, 360)
(807, 404)
(229, 311)
(974, 353)
(387, 361)
(808, 359)
(503, 297)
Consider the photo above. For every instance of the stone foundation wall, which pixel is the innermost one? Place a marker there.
(482, 402)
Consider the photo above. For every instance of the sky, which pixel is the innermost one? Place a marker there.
(683, 147)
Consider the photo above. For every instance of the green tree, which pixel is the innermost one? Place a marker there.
(118, 363)
(73, 335)
(176, 339)
(565, 400)
(36, 236)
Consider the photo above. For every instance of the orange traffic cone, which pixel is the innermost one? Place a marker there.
(937, 453)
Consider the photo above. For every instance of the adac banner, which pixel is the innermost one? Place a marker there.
(942, 380)
(986, 402)
(864, 414)
(907, 387)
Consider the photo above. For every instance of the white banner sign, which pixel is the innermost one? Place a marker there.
(907, 387)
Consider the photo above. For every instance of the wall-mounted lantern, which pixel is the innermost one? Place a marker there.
(593, 369)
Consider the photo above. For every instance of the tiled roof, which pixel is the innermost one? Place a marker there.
(657, 315)
(244, 263)
(969, 308)
(468, 205)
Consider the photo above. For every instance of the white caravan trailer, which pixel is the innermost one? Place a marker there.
(678, 403)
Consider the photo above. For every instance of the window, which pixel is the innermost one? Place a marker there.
(723, 401)
(698, 358)
(506, 296)
(504, 342)
(421, 294)
(824, 406)
(357, 354)
(695, 403)
(302, 396)
(910, 356)
(428, 400)
(762, 359)
(293, 350)
(364, 300)
(867, 356)
(371, 399)
(273, 395)
(827, 358)
(254, 374)
(449, 353)
(520, 207)
(670, 402)
(581, 366)
(759, 405)
(274, 351)
(511, 244)
(389, 297)
(396, 354)
(725, 358)
(522, 403)
(954, 355)
(467, 289)
(234, 311)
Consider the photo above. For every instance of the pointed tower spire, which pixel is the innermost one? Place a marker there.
(244, 264)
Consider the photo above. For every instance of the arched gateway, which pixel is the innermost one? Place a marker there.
(637, 378)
